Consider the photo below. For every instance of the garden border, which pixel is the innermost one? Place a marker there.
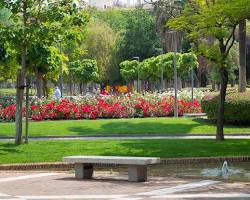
(164, 161)
(174, 135)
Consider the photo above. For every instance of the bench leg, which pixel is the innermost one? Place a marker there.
(83, 171)
(137, 173)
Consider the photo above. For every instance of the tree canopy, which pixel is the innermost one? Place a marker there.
(150, 68)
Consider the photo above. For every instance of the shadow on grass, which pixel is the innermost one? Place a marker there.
(8, 148)
(227, 124)
(140, 128)
(180, 148)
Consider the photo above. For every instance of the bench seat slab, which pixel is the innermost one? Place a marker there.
(112, 160)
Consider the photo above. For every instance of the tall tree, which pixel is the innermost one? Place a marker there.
(139, 38)
(219, 19)
(101, 44)
(243, 59)
(36, 20)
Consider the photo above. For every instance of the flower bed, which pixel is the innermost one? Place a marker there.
(92, 107)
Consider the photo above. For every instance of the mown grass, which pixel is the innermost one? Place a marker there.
(50, 151)
(7, 92)
(12, 92)
(122, 126)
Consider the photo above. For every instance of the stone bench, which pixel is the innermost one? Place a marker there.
(137, 166)
(194, 115)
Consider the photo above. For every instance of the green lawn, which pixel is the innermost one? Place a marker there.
(48, 151)
(12, 92)
(7, 91)
(121, 126)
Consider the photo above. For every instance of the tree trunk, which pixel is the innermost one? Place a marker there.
(81, 89)
(221, 104)
(45, 87)
(84, 88)
(27, 110)
(19, 97)
(179, 83)
(20, 79)
(71, 86)
(39, 83)
(213, 86)
(242, 49)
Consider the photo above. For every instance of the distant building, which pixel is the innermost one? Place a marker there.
(100, 4)
(134, 3)
(106, 4)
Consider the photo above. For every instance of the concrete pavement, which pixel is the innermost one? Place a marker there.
(34, 185)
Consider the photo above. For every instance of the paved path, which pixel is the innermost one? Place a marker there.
(131, 137)
(106, 186)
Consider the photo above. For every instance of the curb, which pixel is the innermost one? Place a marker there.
(125, 135)
(164, 161)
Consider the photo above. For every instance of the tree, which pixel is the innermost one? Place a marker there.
(129, 70)
(36, 20)
(101, 45)
(139, 37)
(44, 62)
(115, 18)
(242, 52)
(150, 69)
(219, 19)
(232, 64)
(84, 71)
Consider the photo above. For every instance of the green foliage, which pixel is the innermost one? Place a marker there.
(44, 57)
(217, 19)
(150, 69)
(129, 70)
(139, 37)
(44, 22)
(5, 15)
(134, 33)
(101, 45)
(115, 18)
(232, 65)
(8, 61)
(237, 107)
(188, 61)
(84, 71)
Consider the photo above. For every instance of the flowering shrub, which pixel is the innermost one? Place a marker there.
(237, 107)
(7, 101)
(92, 107)
(186, 94)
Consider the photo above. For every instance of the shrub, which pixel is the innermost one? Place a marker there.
(237, 107)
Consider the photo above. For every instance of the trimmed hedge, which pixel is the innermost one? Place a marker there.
(237, 107)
